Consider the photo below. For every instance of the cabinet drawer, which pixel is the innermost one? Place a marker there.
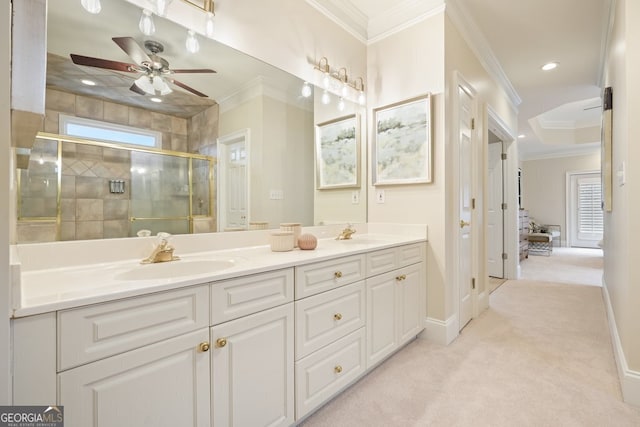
(410, 254)
(235, 298)
(323, 318)
(98, 331)
(322, 276)
(379, 262)
(324, 373)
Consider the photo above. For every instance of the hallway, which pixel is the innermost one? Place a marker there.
(541, 355)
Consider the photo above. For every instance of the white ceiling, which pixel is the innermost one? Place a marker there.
(521, 35)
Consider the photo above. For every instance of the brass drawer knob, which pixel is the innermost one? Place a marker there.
(401, 277)
(221, 342)
(337, 316)
(337, 369)
(338, 274)
(204, 346)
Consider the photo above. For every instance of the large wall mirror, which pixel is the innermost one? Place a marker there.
(184, 150)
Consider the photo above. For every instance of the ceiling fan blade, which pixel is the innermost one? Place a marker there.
(133, 49)
(137, 90)
(195, 70)
(185, 87)
(104, 63)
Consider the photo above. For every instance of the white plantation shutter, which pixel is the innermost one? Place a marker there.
(590, 219)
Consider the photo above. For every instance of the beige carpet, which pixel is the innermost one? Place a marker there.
(565, 265)
(540, 356)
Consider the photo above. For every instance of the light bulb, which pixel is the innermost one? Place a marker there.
(146, 84)
(146, 24)
(162, 6)
(159, 85)
(192, 44)
(208, 25)
(362, 99)
(306, 90)
(341, 104)
(326, 81)
(91, 6)
(345, 89)
(326, 99)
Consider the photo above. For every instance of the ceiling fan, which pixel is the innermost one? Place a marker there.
(154, 69)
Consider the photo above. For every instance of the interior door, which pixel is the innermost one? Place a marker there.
(495, 214)
(585, 211)
(464, 237)
(233, 182)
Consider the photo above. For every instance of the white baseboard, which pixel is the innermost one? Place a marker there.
(629, 379)
(483, 302)
(441, 332)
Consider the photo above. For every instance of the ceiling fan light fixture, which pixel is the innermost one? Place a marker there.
(159, 85)
(145, 83)
(91, 6)
(146, 25)
(192, 44)
(550, 66)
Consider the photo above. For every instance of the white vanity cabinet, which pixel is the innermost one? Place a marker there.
(396, 300)
(252, 381)
(124, 362)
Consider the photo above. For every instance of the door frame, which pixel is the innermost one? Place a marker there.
(221, 190)
(502, 202)
(510, 188)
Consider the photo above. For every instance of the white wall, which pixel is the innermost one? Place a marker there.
(621, 272)
(5, 174)
(403, 66)
(544, 186)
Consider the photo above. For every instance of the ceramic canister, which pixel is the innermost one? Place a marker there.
(281, 241)
(295, 228)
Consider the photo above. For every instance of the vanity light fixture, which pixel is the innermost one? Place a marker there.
(549, 66)
(91, 6)
(341, 105)
(338, 83)
(146, 25)
(208, 25)
(192, 44)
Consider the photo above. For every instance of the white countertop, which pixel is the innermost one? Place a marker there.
(41, 290)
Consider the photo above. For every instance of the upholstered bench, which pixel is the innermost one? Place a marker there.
(540, 243)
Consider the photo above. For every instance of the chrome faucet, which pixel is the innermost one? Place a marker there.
(163, 252)
(346, 233)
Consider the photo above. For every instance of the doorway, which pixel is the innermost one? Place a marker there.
(233, 181)
(495, 211)
(585, 221)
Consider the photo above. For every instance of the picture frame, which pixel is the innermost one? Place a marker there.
(338, 153)
(402, 152)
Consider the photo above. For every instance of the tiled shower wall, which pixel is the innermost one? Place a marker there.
(89, 210)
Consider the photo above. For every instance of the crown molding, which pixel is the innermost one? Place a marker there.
(345, 15)
(585, 149)
(471, 33)
(401, 16)
(259, 87)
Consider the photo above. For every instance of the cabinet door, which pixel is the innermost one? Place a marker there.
(411, 300)
(163, 384)
(252, 368)
(381, 317)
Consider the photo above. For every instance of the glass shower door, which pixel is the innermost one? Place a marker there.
(160, 193)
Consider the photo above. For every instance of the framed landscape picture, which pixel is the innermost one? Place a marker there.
(402, 142)
(338, 153)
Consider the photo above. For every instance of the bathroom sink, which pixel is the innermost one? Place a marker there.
(179, 268)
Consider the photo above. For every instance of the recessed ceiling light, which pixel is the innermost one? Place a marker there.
(549, 66)
(155, 99)
(88, 82)
(522, 135)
